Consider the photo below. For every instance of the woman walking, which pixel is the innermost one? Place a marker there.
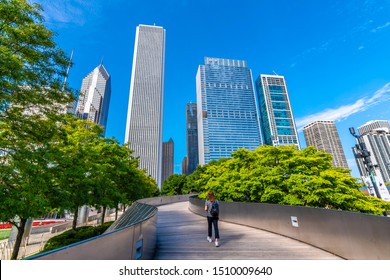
(212, 208)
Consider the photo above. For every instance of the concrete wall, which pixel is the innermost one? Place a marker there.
(347, 234)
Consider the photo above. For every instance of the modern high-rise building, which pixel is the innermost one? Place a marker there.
(95, 94)
(226, 109)
(167, 159)
(184, 166)
(324, 136)
(376, 137)
(192, 137)
(146, 99)
(276, 116)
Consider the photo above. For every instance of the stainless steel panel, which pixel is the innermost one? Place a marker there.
(350, 235)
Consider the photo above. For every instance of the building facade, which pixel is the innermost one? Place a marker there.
(184, 166)
(94, 98)
(167, 160)
(376, 138)
(324, 136)
(226, 109)
(192, 138)
(146, 99)
(276, 116)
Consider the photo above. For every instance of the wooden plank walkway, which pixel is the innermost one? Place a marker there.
(181, 235)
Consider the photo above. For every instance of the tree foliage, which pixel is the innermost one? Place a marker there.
(49, 160)
(284, 175)
(174, 185)
(32, 69)
(30, 61)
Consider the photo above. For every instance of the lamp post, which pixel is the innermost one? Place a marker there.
(362, 152)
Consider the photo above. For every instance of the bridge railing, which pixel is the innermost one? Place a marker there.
(132, 236)
(349, 235)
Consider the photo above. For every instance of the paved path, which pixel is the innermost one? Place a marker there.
(182, 235)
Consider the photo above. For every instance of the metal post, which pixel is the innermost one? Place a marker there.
(365, 155)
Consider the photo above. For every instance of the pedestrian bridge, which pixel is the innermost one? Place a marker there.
(175, 228)
(181, 235)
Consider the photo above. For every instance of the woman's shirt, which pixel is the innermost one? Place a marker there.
(208, 203)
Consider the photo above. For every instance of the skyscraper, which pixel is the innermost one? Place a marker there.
(167, 159)
(94, 99)
(192, 137)
(146, 99)
(276, 116)
(226, 109)
(184, 166)
(324, 136)
(376, 138)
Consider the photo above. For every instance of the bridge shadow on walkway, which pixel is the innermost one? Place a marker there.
(181, 235)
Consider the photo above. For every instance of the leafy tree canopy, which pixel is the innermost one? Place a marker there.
(284, 175)
(174, 185)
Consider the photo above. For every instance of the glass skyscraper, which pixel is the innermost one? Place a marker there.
(94, 99)
(146, 99)
(192, 138)
(167, 159)
(276, 117)
(226, 109)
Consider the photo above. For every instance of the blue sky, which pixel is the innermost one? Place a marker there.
(334, 54)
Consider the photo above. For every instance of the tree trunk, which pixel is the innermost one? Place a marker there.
(116, 212)
(75, 217)
(18, 240)
(104, 213)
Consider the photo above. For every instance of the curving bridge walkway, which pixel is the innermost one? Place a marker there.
(182, 235)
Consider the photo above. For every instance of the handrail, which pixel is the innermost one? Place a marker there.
(132, 236)
(350, 235)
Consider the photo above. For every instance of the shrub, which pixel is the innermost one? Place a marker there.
(73, 236)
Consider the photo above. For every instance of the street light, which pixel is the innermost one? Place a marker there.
(361, 151)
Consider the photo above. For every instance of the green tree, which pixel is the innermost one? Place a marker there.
(174, 185)
(284, 175)
(76, 163)
(32, 70)
(117, 178)
(105, 191)
(26, 176)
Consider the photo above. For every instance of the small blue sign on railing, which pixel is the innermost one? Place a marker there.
(138, 249)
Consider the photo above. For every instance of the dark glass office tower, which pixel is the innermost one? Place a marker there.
(192, 138)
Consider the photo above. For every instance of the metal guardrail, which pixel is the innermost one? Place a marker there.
(132, 236)
(350, 235)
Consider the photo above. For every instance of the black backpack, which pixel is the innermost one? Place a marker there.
(214, 210)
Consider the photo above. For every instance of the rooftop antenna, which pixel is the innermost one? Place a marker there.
(101, 62)
(275, 73)
(67, 71)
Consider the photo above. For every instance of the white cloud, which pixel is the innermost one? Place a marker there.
(345, 111)
(378, 28)
(68, 11)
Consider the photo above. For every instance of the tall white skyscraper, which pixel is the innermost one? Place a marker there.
(146, 99)
(95, 96)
